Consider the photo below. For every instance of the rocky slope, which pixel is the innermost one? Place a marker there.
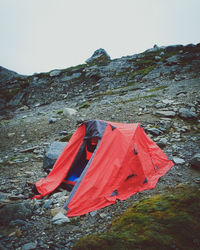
(159, 88)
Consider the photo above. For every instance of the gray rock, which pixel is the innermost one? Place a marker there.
(16, 100)
(14, 211)
(187, 114)
(18, 223)
(93, 213)
(47, 204)
(167, 101)
(29, 246)
(7, 75)
(163, 142)
(157, 58)
(164, 113)
(160, 105)
(55, 73)
(99, 56)
(67, 78)
(154, 131)
(174, 48)
(173, 60)
(178, 160)
(60, 219)
(52, 120)
(68, 112)
(195, 160)
(52, 154)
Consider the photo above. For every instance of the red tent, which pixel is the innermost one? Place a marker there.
(125, 161)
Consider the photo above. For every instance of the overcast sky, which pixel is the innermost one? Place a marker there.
(42, 35)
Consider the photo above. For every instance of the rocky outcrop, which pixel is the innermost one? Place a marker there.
(51, 155)
(7, 75)
(100, 73)
(100, 56)
(195, 161)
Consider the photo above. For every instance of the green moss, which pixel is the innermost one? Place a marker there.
(130, 83)
(156, 89)
(85, 105)
(60, 112)
(139, 98)
(74, 69)
(167, 221)
(143, 71)
(66, 138)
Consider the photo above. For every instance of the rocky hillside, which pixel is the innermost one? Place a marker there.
(160, 88)
(100, 76)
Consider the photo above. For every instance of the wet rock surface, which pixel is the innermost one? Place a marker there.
(139, 88)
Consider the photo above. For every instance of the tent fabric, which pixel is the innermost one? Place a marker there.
(125, 161)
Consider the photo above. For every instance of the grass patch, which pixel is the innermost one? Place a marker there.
(143, 71)
(66, 138)
(167, 221)
(156, 89)
(85, 105)
(139, 98)
(74, 69)
(60, 112)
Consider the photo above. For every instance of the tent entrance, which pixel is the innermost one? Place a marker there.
(82, 158)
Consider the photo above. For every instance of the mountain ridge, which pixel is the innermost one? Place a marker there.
(100, 73)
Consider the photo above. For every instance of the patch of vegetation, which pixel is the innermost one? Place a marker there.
(147, 62)
(144, 71)
(167, 221)
(156, 89)
(139, 98)
(74, 69)
(130, 83)
(4, 122)
(66, 138)
(60, 112)
(85, 105)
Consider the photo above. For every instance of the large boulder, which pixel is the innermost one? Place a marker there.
(15, 211)
(100, 56)
(187, 113)
(195, 161)
(52, 154)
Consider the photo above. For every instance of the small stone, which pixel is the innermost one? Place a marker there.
(164, 113)
(55, 73)
(29, 246)
(56, 210)
(154, 131)
(167, 101)
(102, 215)
(63, 132)
(60, 219)
(163, 142)
(157, 58)
(23, 108)
(10, 135)
(47, 204)
(93, 213)
(68, 112)
(178, 160)
(52, 120)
